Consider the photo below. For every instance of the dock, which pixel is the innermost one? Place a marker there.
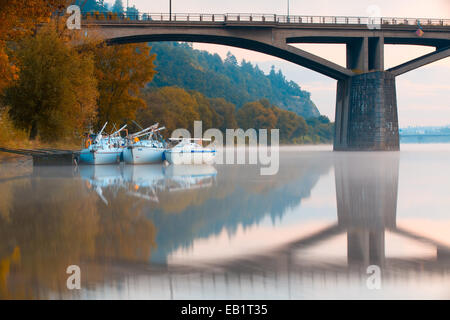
(48, 157)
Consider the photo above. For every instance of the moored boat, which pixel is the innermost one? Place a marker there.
(146, 150)
(188, 151)
(100, 156)
(103, 149)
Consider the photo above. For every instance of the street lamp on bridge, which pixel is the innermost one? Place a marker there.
(287, 10)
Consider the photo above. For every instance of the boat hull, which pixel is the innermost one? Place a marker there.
(143, 155)
(100, 156)
(193, 157)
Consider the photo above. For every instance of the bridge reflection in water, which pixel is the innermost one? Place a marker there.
(366, 192)
(135, 230)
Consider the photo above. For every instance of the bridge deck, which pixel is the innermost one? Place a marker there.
(243, 18)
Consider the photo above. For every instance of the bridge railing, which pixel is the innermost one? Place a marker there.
(261, 18)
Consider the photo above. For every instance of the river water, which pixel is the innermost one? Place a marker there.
(328, 225)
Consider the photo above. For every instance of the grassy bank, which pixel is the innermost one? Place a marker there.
(11, 137)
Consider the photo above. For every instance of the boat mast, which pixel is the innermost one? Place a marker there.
(97, 139)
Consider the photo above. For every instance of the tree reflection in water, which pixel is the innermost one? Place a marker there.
(121, 222)
(111, 219)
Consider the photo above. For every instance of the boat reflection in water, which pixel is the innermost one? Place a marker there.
(189, 176)
(146, 181)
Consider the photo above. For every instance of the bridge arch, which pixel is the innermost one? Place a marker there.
(285, 52)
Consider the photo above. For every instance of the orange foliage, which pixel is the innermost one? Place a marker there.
(255, 115)
(121, 71)
(17, 19)
(7, 70)
(46, 62)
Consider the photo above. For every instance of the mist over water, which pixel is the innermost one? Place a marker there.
(226, 232)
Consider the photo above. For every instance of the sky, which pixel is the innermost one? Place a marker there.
(423, 95)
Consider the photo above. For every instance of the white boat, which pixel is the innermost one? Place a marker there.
(148, 150)
(143, 152)
(103, 149)
(188, 151)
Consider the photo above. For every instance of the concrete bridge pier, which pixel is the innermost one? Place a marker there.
(366, 103)
(366, 113)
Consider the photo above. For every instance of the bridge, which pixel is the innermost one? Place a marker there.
(366, 103)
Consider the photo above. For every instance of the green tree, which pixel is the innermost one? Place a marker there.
(118, 6)
(321, 129)
(132, 12)
(178, 64)
(91, 5)
(231, 60)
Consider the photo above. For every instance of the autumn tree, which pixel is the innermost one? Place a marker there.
(8, 71)
(176, 108)
(264, 115)
(255, 115)
(208, 115)
(172, 107)
(121, 71)
(290, 124)
(55, 94)
(226, 113)
(18, 19)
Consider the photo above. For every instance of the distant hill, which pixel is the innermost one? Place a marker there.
(178, 64)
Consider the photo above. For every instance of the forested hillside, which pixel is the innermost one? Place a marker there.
(178, 108)
(178, 64)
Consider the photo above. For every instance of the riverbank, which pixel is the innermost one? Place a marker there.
(26, 144)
